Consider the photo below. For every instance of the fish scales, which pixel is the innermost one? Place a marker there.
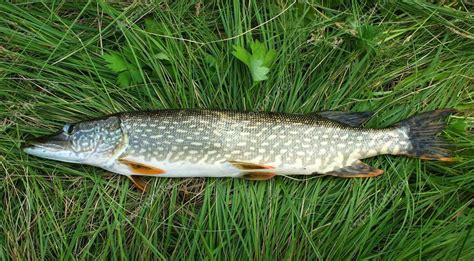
(254, 145)
(281, 139)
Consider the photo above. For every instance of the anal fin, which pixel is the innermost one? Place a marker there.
(356, 170)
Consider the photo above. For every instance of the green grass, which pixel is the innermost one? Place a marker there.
(394, 58)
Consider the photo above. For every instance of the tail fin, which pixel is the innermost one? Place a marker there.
(422, 132)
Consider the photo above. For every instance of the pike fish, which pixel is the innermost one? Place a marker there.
(251, 145)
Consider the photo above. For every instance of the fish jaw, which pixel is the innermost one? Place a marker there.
(53, 147)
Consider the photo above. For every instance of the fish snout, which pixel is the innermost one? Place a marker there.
(55, 139)
(54, 146)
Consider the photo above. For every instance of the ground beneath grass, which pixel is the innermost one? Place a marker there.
(64, 62)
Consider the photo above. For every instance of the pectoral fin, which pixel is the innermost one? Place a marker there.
(353, 119)
(140, 168)
(139, 183)
(356, 170)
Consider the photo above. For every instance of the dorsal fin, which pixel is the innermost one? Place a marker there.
(353, 119)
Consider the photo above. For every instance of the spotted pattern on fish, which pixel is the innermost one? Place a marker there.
(281, 139)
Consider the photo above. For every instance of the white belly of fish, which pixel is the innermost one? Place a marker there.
(180, 170)
(189, 170)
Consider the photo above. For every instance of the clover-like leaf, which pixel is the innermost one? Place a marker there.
(258, 62)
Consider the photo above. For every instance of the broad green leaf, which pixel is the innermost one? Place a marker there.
(259, 72)
(115, 62)
(128, 72)
(242, 54)
(259, 61)
(258, 49)
(135, 75)
(269, 58)
(123, 79)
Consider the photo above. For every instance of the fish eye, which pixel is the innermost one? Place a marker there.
(68, 128)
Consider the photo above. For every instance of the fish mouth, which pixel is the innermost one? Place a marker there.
(55, 147)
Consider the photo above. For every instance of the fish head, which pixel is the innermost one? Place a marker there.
(94, 142)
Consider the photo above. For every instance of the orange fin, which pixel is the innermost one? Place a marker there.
(258, 175)
(248, 166)
(139, 183)
(141, 169)
(356, 170)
